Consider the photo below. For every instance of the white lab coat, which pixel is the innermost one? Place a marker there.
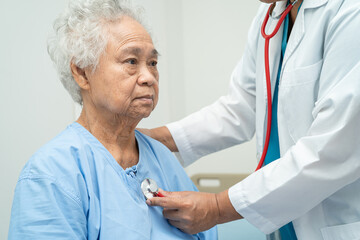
(316, 181)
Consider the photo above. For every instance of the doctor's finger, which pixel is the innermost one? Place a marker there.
(183, 226)
(167, 201)
(178, 224)
(163, 193)
(173, 194)
(172, 214)
(181, 218)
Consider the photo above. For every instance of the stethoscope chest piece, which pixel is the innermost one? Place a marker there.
(149, 188)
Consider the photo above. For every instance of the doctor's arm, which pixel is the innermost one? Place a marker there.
(321, 163)
(324, 160)
(316, 167)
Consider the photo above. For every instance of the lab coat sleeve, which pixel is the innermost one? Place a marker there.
(228, 121)
(42, 209)
(327, 158)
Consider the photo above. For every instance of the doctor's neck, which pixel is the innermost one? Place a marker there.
(294, 12)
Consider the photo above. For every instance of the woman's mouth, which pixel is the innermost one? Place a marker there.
(147, 99)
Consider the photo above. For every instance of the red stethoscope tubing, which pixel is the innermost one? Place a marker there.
(267, 74)
(159, 195)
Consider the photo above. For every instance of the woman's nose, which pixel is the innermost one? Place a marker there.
(146, 76)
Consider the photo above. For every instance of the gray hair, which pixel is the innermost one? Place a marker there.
(80, 37)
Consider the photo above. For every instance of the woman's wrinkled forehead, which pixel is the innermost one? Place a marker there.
(128, 37)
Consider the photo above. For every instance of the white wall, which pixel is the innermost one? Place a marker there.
(199, 42)
(214, 37)
(34, 107)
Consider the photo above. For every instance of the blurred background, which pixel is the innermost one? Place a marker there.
(200, 42)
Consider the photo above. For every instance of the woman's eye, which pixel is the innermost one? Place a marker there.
(153, 63)
(131, 61)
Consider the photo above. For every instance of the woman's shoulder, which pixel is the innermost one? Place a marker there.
(163, 155)
(152, 143)
(56, 157)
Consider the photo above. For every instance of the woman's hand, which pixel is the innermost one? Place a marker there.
(194, 212)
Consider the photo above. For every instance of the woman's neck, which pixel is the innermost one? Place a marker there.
(115, 133)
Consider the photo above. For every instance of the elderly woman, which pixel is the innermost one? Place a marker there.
(85, 183)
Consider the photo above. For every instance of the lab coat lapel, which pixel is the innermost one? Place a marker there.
(298, 30)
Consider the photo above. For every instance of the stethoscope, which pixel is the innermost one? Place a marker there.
(267, 73)
(149, 186)
(150, 189)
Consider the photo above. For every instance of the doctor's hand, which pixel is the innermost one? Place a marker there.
(162, 134)
(194, 212)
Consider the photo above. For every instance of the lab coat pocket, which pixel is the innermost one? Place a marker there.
(349, 231)
(298, 92)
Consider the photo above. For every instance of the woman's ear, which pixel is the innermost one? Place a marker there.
(80, 77)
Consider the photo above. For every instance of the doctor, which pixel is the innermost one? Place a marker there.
(309, 185)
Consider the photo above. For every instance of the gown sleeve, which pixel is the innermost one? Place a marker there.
(43, 209)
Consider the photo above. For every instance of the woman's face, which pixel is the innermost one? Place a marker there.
(125, 82)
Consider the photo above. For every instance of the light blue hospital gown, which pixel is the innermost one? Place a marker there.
(73, 188)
